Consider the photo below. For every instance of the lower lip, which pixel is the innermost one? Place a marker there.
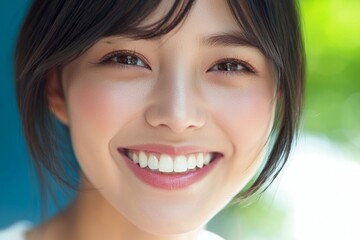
(172, 181)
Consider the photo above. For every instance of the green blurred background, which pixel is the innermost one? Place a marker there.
(332, 39)
(331, 31)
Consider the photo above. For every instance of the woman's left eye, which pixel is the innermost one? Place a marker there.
(124, 58)
(232, 65)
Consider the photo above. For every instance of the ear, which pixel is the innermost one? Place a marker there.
(56, 97)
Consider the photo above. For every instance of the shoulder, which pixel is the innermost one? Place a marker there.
(15, 231)
(206, 235)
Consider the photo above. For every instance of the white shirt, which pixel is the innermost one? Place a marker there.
(17, 232)
(205, 235)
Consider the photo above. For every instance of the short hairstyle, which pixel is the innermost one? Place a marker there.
(56, 32)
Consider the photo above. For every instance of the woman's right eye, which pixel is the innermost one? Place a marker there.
(124, 59)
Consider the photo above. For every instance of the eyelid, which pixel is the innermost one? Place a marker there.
(247, 66)
(115, 53)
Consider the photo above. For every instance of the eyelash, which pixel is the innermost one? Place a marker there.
(129, 56)
(241, 66)
(245, 67)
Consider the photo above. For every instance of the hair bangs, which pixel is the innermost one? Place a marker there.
(129, 24)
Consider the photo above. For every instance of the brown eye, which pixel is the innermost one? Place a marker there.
(124, 58)
(128, 60)
(231, 65)
(227, 66)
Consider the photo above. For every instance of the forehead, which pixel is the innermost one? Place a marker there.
(210, 22)
(211, 13)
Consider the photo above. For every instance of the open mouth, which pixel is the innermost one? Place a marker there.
(167, 167)
(169, 164)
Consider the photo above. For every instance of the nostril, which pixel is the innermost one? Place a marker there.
(177, 120)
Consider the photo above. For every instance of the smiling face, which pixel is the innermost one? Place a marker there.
(144, 115)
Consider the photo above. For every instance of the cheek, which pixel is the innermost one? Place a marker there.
(97, 111)
(253, 116)
(98, 108)
(91, 119)
(104, 107)
(246, 117)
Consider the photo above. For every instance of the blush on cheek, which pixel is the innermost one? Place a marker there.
(99, 108)
(94, 120)
(249, 124)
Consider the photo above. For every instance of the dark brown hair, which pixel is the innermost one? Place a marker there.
(56, 32)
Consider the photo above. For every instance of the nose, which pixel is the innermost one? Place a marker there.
(177, 106)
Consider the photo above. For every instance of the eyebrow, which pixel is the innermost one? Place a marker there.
(223, 39)
(115, 38)
(228, 39)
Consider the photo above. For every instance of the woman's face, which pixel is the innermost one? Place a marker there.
(196, 94)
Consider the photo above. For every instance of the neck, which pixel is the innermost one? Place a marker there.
(91, 217)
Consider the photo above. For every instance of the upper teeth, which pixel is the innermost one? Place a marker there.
(167, 164)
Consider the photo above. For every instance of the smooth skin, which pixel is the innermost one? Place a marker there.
(187, 87)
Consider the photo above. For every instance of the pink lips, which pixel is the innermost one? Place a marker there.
(182, 150)
(168, 181)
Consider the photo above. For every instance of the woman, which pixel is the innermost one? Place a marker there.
(173, 109)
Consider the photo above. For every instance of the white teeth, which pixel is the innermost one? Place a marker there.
(153, 163)
(134, 157)
(180, 164)
(143, 161)
(168, 164)
(207, 158)
(191, 162)
(200, 160)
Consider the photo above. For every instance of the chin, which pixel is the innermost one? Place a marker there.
(170, 225)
